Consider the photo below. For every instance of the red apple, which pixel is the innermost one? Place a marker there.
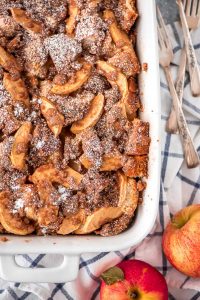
(132, 280)
(181, 241)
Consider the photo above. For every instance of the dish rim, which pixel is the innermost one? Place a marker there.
(89, 243)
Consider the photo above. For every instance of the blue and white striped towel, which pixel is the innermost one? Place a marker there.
(179, 187)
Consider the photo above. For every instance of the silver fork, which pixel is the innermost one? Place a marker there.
(172, 125)
(166, 56)
(190, 19)
(192, 14)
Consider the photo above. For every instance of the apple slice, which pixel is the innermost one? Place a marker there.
(128, 202)
(110, 162)
(132, 102)
(54, 118)
(71, 173)
(92, 117)
(122, 182)
(50, 173)
(71, 22)
(126, 53)
(71, 86)
(21, 17)
(72, 223)
(20, 146)
(119, 37)
(31, 213)
(115, 77)
(132, 197)
(9, 62)
(128, 195)
(12, 222)
(17, 89)
(99, 218)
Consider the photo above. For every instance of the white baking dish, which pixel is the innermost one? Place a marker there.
(72, 246)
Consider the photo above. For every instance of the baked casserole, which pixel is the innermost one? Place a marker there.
(73, 151)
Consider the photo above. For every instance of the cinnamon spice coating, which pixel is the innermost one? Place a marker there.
(73, 149)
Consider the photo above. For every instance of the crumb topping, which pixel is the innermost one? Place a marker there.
(90, 31)
(51, 12)
(92, 147)
(4, 95)
(52, 174)
(35, 51)
(63, 51)
(75, 107)
(43, 145)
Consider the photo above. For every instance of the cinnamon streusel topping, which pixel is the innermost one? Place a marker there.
(73, 150)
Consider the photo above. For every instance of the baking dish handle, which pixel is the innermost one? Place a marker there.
(66, 271)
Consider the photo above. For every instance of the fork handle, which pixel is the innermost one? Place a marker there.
(191, 155)
(172, 125)
(191, 56)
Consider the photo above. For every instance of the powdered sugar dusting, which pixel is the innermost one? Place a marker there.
(63, 50)
(35, 51)
(51, 12)
(40, 144)
(96, 84)
(18, 110)
(4, 95)
(75, 107)
(19, 204)
(92, 147)
(91, 31)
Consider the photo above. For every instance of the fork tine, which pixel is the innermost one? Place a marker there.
(184, 4)
(198, 9)
(194, 7)
(160, 37)
(188, 8)
(163, 29)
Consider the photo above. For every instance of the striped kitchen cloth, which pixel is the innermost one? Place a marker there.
(179, 187)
